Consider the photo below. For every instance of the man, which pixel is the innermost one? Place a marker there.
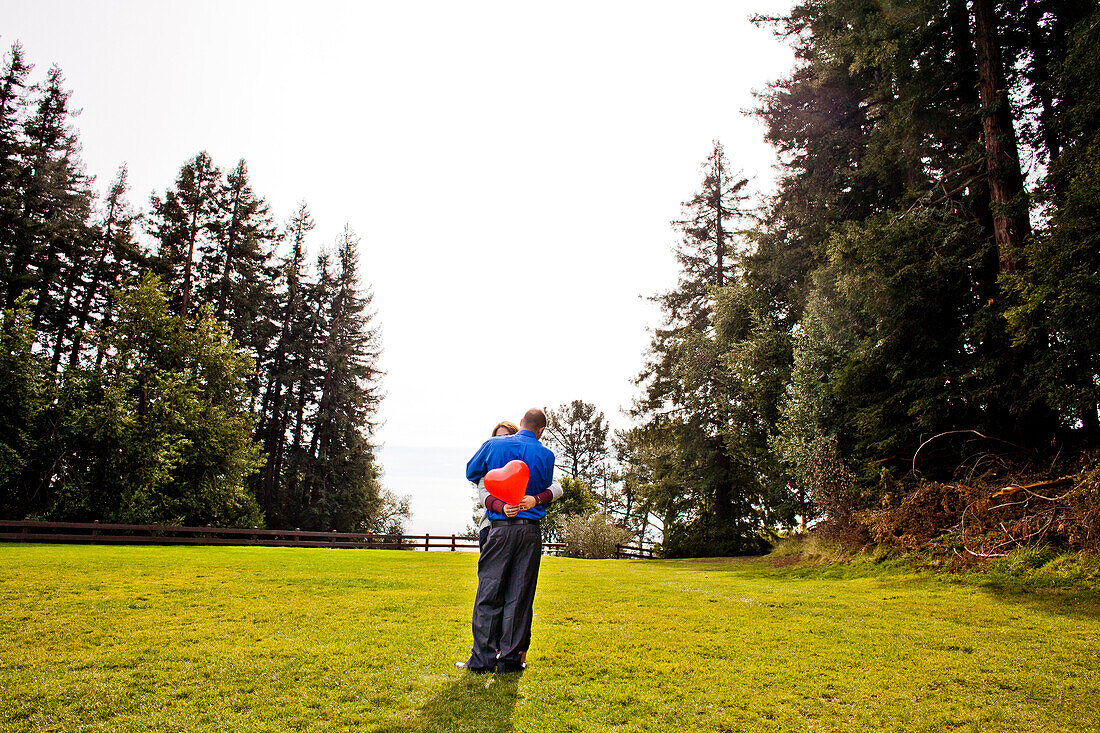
(508, 568)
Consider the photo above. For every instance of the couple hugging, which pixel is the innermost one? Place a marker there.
(511, 546)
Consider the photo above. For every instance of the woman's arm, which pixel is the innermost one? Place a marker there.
(545, 497)
(497, 505)
(490, 501)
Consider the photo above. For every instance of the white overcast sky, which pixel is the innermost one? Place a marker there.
(512, 168)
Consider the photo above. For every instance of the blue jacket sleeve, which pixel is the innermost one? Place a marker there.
(478, 465)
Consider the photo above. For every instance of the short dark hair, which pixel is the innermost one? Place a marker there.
(533, 419)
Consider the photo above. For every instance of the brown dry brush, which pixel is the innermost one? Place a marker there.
(836, 494)
(979, 518)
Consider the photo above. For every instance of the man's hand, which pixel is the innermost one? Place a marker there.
(510, 510)
(527, 503)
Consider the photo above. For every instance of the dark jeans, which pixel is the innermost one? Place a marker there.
(507, 573)
(482, 535)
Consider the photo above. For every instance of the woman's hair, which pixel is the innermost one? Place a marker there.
(506, 424)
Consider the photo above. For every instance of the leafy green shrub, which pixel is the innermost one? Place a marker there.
(592, 537)
(578, 499)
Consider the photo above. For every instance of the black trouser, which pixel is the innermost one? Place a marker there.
(507, 572)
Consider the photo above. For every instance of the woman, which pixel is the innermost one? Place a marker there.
(504, 427)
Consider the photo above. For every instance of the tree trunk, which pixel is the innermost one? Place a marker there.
(719, 235)
(231, 241)
(723, 491)
(86, 305)
(1006, 183)
(193, 234)
(970, 132)
(1040, 78)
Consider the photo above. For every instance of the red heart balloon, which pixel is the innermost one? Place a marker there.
(509, 483)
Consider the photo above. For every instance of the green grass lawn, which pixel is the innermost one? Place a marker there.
(270, 639)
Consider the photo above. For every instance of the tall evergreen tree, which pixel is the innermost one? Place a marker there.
(342, 486)
(55, 205)
(1058, 288)
(181, 223)
(892, 297)
(289, 371)
(577, 433)
(115, 257)
(12, 107)
(158, 425)
(687, 388)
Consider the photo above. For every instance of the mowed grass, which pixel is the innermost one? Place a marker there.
(269, 639)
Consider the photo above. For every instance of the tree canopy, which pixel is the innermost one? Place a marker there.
(209, 375)
(905, 281)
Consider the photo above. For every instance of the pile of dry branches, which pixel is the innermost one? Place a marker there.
(990, 518)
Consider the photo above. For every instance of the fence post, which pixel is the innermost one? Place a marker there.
(427, 542)
(95, 530)
(453, 548)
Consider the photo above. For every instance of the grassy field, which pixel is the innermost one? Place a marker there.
(268, 639)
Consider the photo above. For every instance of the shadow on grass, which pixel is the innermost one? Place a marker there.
(1073, 602)
(1063, 597)
(467, 703)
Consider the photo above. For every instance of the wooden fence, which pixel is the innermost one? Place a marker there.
(641, 551)
(156, 534)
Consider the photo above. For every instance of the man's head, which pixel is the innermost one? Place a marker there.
(534, 420)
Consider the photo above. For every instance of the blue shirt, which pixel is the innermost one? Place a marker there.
(524, 446)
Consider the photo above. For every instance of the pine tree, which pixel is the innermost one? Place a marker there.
(1056, 291)
(12, 108)
(342, 481)
(236, 273)
(288, 369)
(687, 387)
(181, 223)
(577, 434)
(901, 217)
(115, 257)
(52, 236)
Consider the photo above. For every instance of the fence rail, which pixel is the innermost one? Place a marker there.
(636, 552)
(158, 534)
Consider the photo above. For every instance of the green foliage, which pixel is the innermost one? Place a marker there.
(1060, 283)
(121, 412)
(593, 537)
(891, 291)
(706, 486)
(391, 515)
(577, 500)
(577, 433)
(26, 392)
(340, 479)
(156, 434)
(161, 433)
(1022, 560)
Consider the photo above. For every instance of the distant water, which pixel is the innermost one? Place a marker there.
(434, 479)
